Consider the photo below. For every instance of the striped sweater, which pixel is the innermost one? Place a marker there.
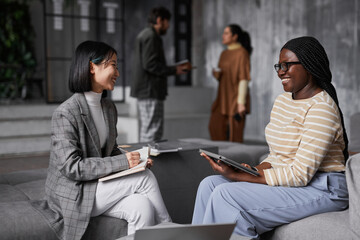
(304, 136)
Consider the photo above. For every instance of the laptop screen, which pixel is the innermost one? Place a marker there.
(186, 231)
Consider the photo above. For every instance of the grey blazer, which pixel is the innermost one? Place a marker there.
(76, 162)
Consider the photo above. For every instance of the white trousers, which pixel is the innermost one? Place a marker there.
(135, 198)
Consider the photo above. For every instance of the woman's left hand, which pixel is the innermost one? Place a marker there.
(241, 109)
(150, 163)
(237, 176)
(221, 168)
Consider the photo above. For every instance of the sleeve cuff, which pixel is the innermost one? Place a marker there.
(270, 177)
(242, 91)
(171, 70)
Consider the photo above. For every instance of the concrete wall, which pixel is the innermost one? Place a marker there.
(136, 19)
(335, 23)
(270, 23)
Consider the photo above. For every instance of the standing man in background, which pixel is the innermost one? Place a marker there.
(149, 82)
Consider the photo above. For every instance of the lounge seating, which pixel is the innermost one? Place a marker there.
(20, 221)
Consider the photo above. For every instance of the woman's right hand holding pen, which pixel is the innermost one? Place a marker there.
(133, 158)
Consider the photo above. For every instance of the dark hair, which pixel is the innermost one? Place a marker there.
(96, 52)
(243, 37)
(313, 57)
(161, 12)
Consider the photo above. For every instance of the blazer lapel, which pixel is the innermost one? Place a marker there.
(111, 128)
(88, 121)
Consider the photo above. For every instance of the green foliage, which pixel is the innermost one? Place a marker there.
(16, 46)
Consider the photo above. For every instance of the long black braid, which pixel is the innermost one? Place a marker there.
(313, 57)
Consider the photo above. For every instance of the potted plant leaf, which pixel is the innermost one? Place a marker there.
(17, 59)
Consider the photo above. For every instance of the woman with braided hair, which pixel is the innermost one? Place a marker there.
(304, 173)
(232, 103)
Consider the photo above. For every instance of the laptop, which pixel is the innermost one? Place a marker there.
(186, 231)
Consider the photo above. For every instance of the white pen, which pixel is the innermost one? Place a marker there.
(122, 150)
(149, 150)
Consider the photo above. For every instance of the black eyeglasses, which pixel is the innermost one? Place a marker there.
(284, 66)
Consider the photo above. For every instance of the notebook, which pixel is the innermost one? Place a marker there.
(164, 147)
(186, 232)
(144, 154)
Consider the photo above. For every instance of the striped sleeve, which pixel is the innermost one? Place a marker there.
(321, 125)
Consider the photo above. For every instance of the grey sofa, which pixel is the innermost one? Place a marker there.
(333, 225)
(18, 220)
(330, 226)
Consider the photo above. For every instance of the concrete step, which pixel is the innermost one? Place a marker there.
(42, 111)
(180, 100)
(26, 111)
(187, 112)
(24, 127)
(128, 129)
(32, 145)
(186, 126)
(24, 146)
(176, 126)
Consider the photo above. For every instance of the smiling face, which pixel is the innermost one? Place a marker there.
(104, 75)
(228, 37)
(296, 79)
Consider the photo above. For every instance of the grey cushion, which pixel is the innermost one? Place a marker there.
(332, 225)
(325, 226)
(9, 193)
(34, 190)
(354, 142)
(19, 220)
(22, 185)
(105, 228)
(353, 182)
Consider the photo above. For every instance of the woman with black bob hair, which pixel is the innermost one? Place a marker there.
(87, 53)
(228, 112)
(304, 173)
(84, 149)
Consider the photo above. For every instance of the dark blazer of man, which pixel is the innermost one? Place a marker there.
(149, 67)
(76, 163)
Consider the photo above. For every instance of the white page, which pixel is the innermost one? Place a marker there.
(144, 154)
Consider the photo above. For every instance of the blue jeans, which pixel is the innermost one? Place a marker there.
(258, 208)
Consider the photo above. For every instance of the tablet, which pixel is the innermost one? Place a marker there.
(230, 162)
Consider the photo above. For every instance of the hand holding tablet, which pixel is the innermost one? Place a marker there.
(230, 162)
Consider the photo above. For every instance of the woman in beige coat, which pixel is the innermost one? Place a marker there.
(229, 110)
